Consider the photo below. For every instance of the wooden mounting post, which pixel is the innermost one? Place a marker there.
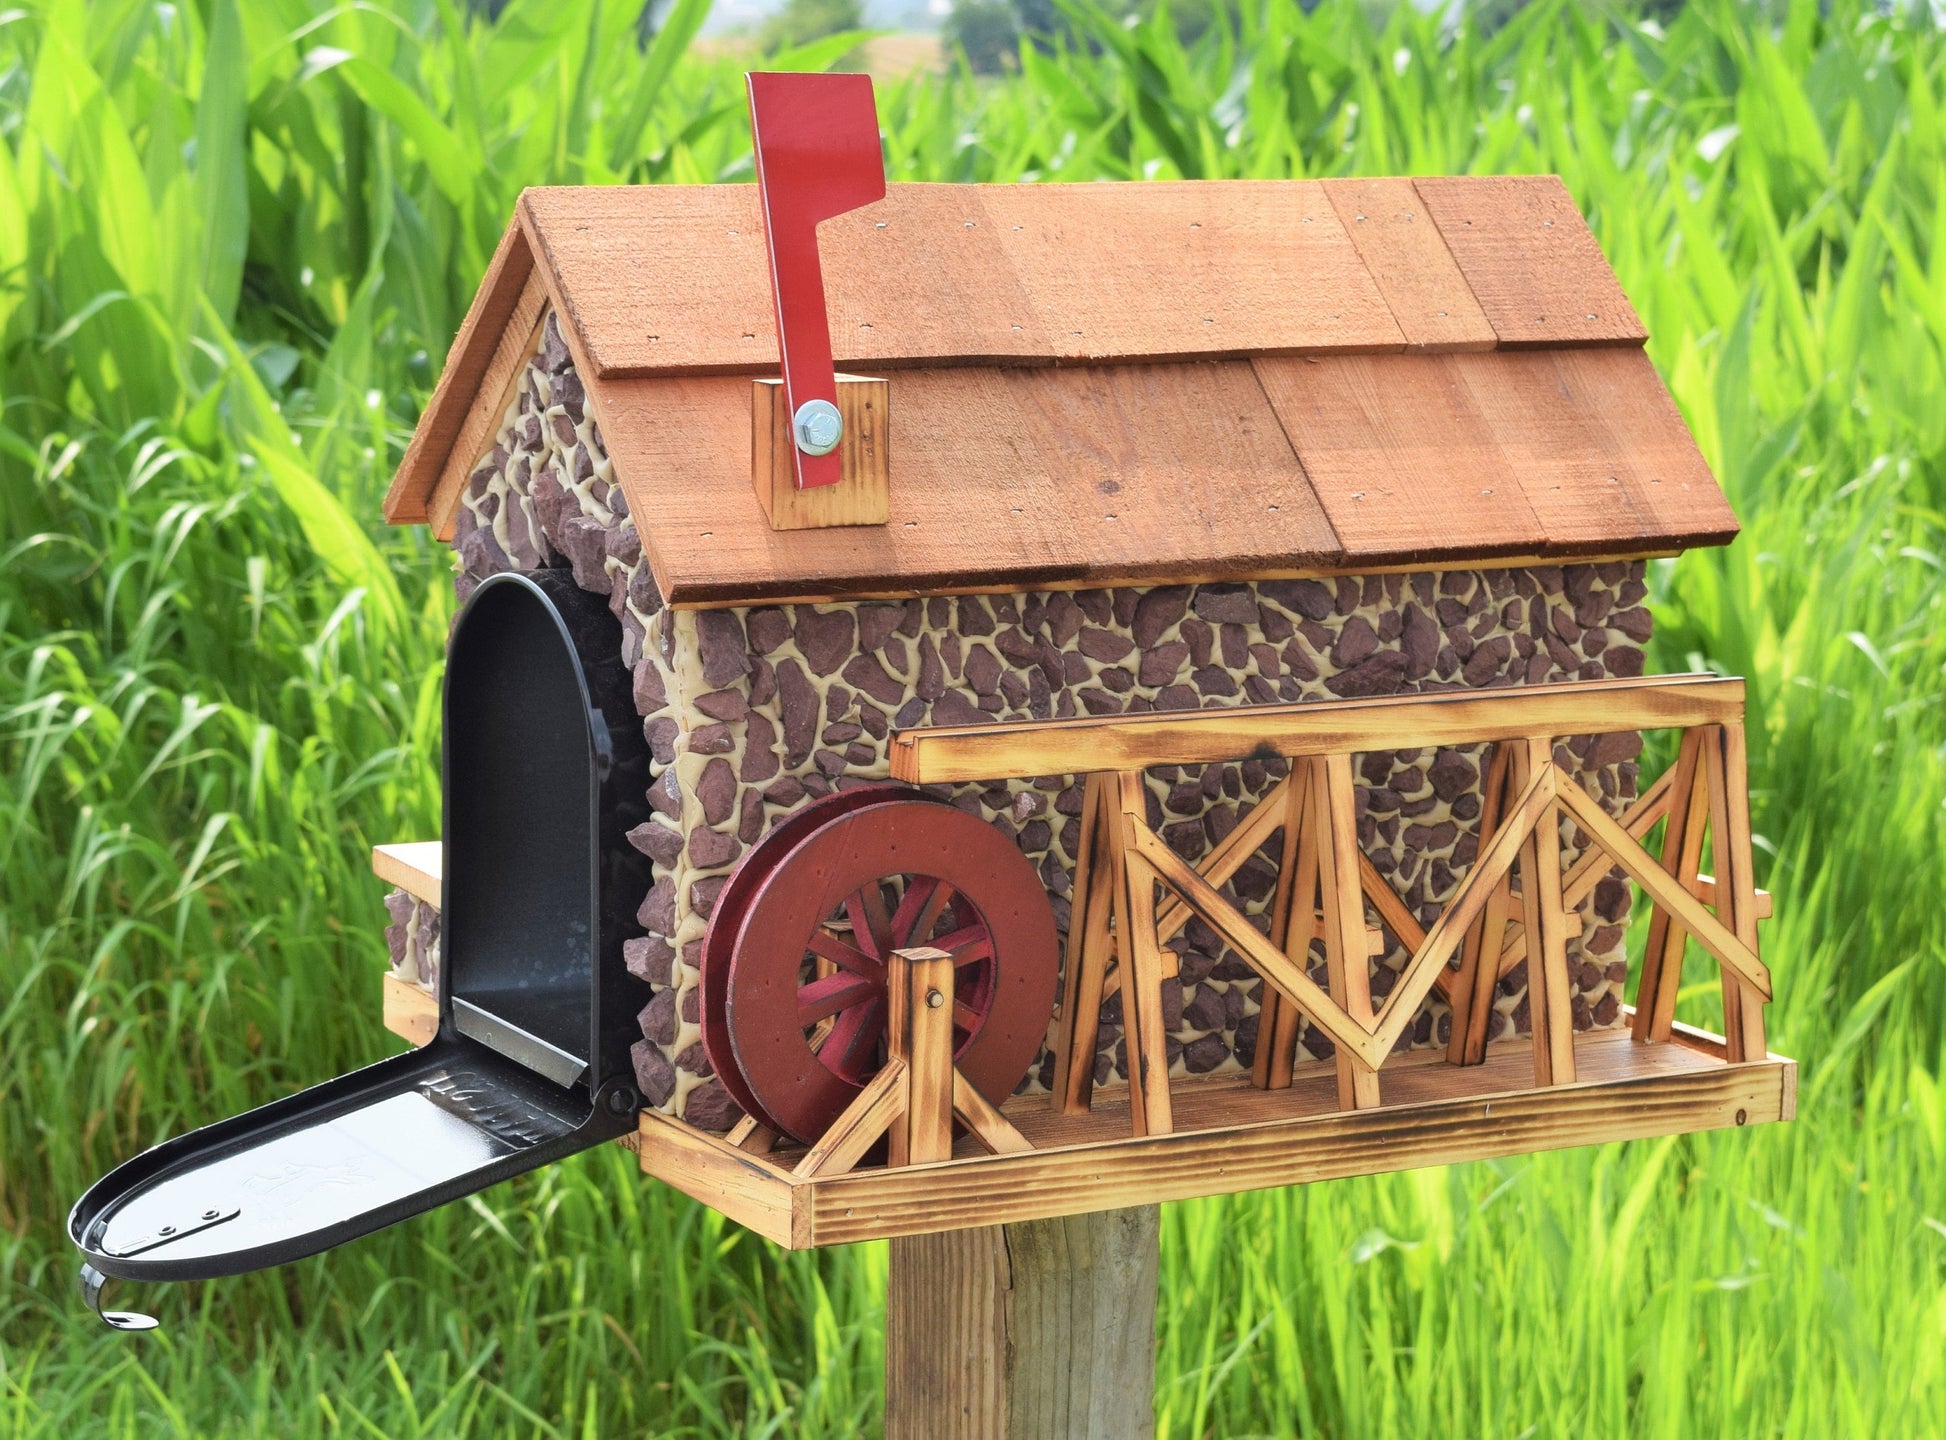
(1044, 1330)
(1736, 883)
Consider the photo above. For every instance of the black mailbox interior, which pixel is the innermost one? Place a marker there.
(518, 917)
(545, 771)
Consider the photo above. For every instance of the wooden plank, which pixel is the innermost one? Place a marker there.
(1657, 1090)
(1009, 749)
(1096, 881)
(462, 379)
(1710, 933)
(1530, 260)
(925, 1043)
(751, 1190)
(413, 866)
(863, 491)
(1189, 269)
(1415, 981)
(1151, 467)
(1598, 448)
(410, 1013)
(994, 1131)
(1471, 992)
(1144, 1037)
(1011, 274)
(1081, 1325)
(1270, 811)
(1041, 1330)
(1010, 479)
(682, 452)
(1403, 924)
(946, 1335)
(877, 1110)
(1404, 461)
(1332, 813)
(1562, 452)
(1004, 480)
(1549, 1009)
(1263, 957)
(1729, 791)
(518, 341)
(1587, 872)
(1291, 928)
(1682, 856)
(1415, 272)
(748, 1135)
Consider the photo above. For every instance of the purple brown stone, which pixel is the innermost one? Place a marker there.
(824, 638)
(709, 1107)
(655, 1077)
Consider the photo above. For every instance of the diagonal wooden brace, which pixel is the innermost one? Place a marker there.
(913, 1102)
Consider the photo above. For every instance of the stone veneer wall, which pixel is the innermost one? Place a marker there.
(413, 939)
(750, 710)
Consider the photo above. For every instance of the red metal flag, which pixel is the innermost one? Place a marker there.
(816, 139)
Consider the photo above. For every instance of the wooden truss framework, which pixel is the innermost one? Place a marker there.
(1514, 904)
(1035, 1156)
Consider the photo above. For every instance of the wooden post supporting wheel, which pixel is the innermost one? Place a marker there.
(919, 1092)
(1043, 1330)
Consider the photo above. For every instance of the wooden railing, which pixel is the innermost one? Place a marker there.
(1118, 932)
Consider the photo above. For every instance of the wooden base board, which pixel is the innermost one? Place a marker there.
(410, 1013)
(1231, 1137)
(413, 866)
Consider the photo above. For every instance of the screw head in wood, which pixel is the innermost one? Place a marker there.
(934, 999)
(818, 427)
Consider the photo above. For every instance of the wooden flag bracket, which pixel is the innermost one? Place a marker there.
(820, 443)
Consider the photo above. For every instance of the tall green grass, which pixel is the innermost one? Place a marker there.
(234, 241)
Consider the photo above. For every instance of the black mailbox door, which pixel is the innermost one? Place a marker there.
(544, 773)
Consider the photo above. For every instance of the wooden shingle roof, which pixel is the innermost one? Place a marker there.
(1106, 384)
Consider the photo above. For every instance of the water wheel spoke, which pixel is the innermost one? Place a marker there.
(851, 1048)
(924, 899)
(846, 956)
(966, 1017)
(832, 994)
(967, 945)
(871, 925)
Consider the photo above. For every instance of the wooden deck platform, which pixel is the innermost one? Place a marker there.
(1228, 1137)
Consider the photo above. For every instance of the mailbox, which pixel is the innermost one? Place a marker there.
(1257, 600)
(545, 770)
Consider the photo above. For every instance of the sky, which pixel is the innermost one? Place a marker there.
(730, 15)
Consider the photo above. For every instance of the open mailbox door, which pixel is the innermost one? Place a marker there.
(545, 770)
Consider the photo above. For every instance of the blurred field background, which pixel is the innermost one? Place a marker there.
(235, 238)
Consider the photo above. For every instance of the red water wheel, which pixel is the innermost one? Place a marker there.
(793, 1012)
